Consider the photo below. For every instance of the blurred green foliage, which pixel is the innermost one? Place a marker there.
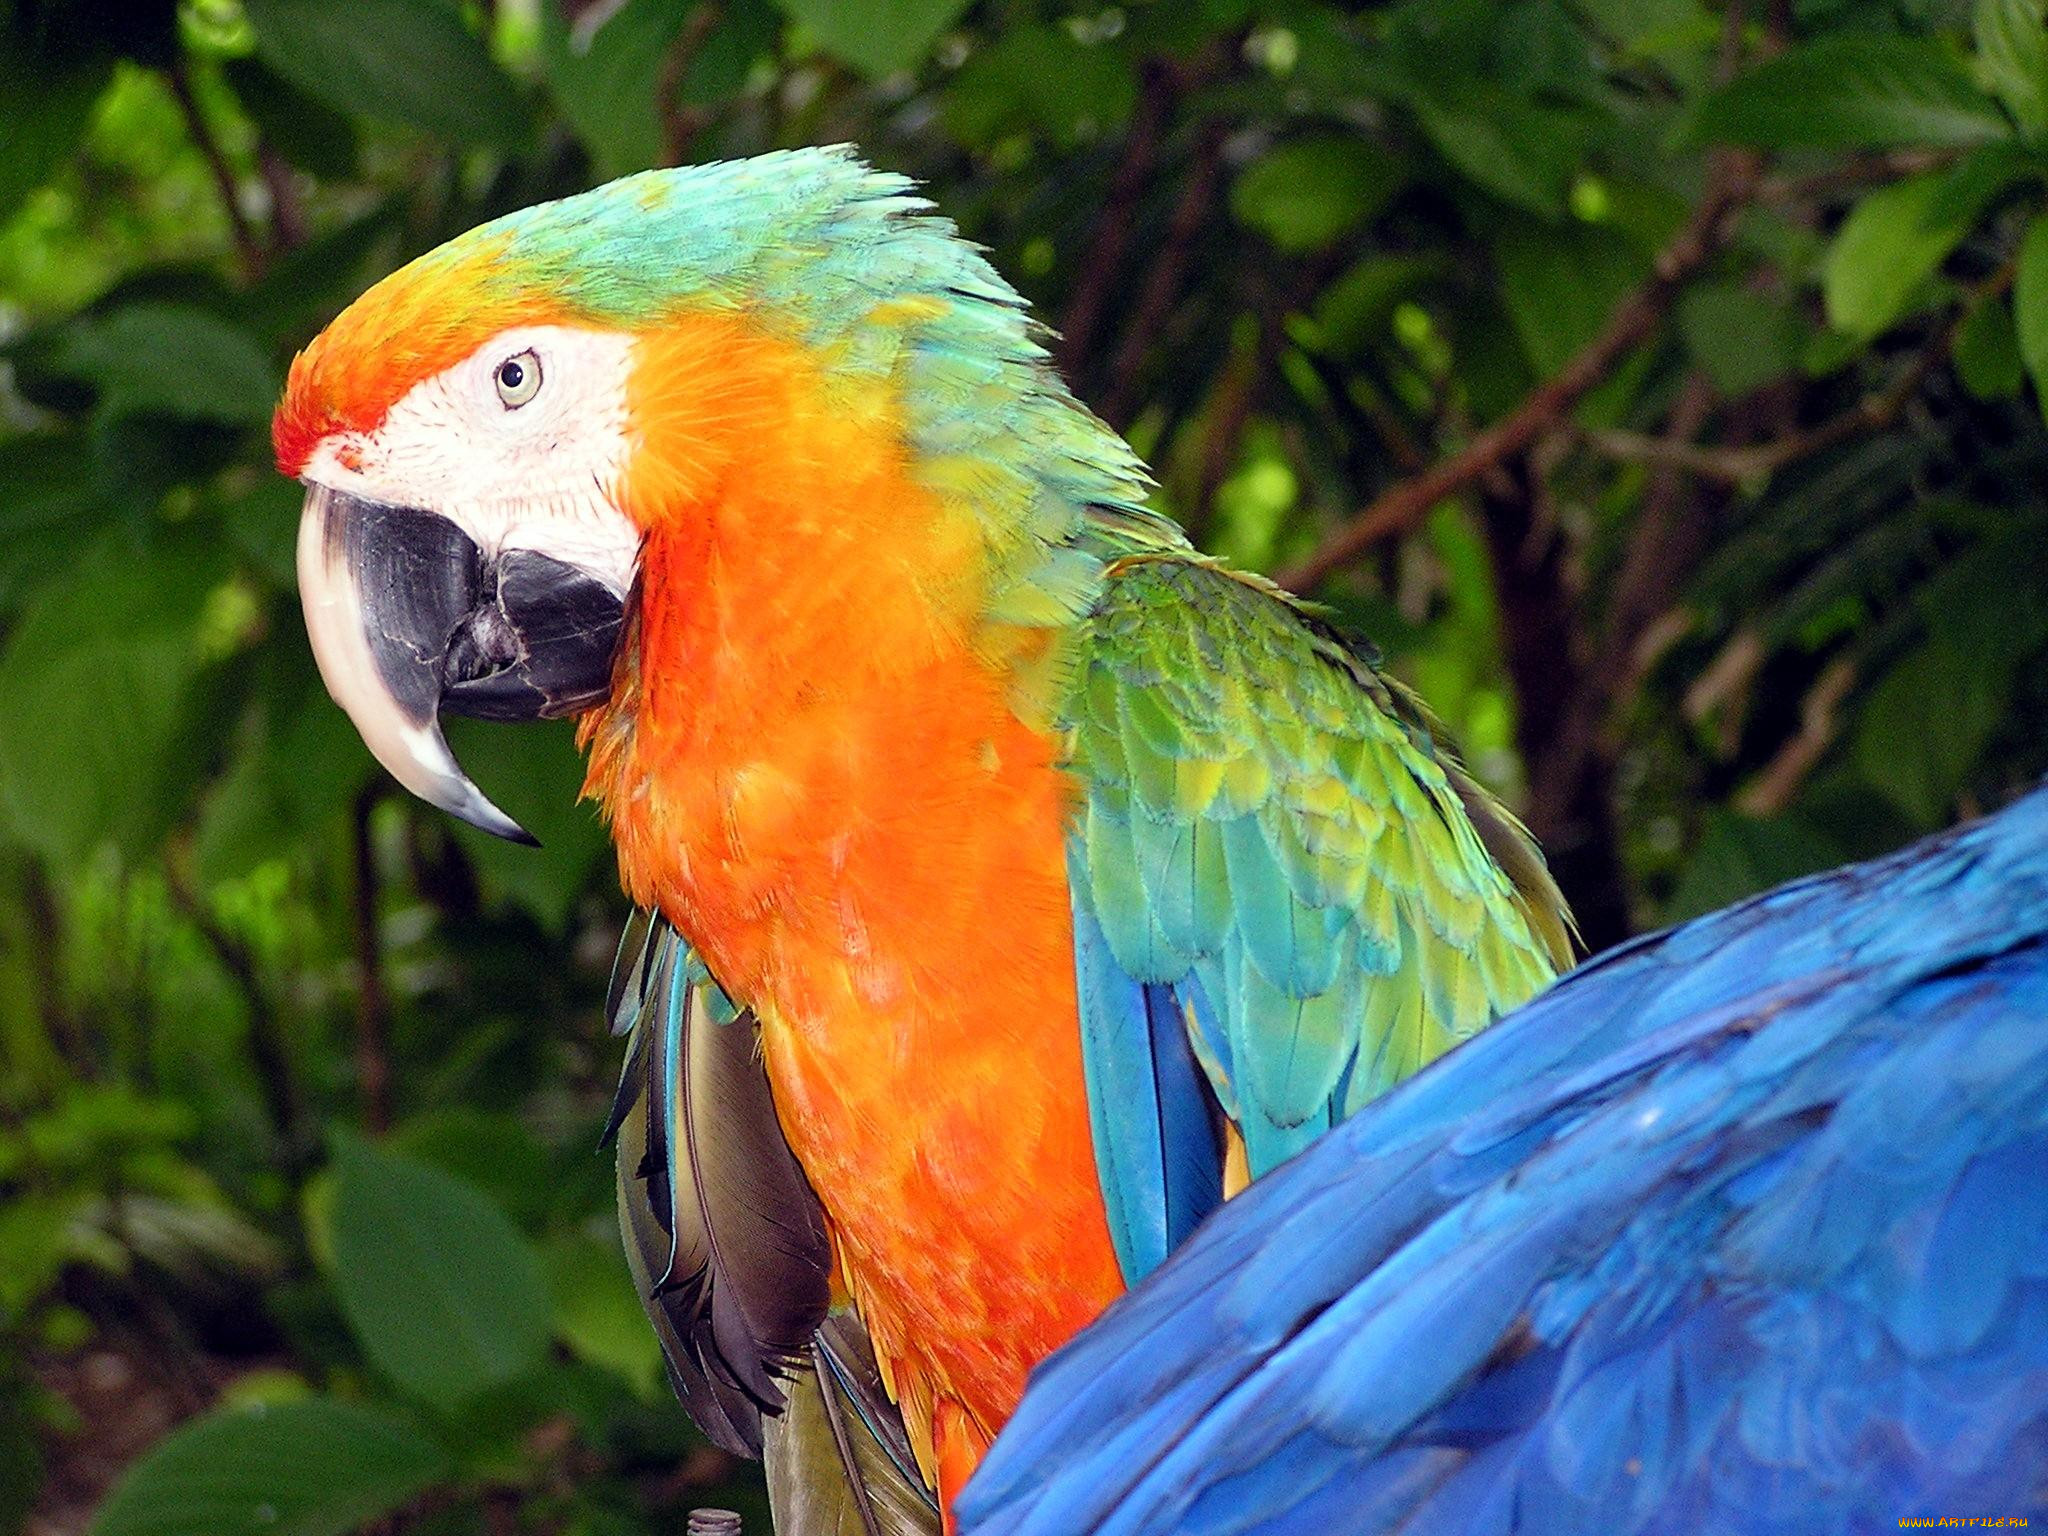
(299, 1084)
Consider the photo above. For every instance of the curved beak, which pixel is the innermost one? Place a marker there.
(410, 618)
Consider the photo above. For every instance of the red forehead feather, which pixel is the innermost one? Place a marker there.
(423, 318)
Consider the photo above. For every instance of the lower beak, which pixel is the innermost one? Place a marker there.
(409, 618)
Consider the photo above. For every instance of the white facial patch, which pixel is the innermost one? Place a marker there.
(542, 475)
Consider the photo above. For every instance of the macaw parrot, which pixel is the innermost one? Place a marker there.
(1015, 882)
(1739, 1230)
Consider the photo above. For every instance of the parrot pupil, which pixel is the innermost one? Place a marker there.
(518, 379)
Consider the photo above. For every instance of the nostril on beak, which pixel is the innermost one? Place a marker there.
(483, 644)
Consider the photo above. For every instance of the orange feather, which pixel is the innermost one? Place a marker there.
(814, 773)
(426, 316)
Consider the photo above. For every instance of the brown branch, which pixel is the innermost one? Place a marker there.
(266, 1038)
(1163, 283)
(1402, 506)
(1230, 408)
(1851, 175)
(223, 177)
(1559, 703)
(1875, 412)
(679, 123)
(1668, 539)
(1106, 251)
(45, 947)
(1237, 393)
(1772, 790)
(373, 1004)
(289, 227)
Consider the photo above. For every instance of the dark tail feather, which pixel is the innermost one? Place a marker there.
(838, 1461)
(723, 1233)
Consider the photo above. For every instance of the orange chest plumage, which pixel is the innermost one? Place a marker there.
(821, 782)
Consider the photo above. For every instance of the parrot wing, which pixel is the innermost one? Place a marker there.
(723, 1234)
(838, 1462)
(1740, 1228)
(727, 1246)
(1286, 899)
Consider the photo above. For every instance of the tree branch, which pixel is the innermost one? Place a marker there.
(1402, 506)
(1851, 175)
(1163, 282)
(679, 123)
(289, 228)
(373, 1004)
(1112, 239)
(1875, 412)
(1772, 790)
(246, 243)
(45, 949)
(266, 1040)
(1667, 541)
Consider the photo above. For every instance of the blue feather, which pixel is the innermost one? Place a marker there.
(1150, 1108)
(1742, 1228)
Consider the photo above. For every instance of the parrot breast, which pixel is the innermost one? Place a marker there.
(812, 768)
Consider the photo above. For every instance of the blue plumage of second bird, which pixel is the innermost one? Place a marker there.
(1742, 1228)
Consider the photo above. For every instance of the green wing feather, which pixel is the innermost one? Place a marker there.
(1271, 830)
(838, 1462)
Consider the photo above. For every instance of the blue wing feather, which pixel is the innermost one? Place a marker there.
(1742, 1228)
(1150, 1109)
(1267, 838)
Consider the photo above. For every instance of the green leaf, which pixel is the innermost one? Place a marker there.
(298, 765)
(402, 61)
(300, 291)
(1740, 855)
(1886, 250)
(1743, 339)
(2030, 305)
(1648, 27)
(1354, 310)
(21, 1446)
(536, 774)
(308, 132)
(50, 508)
(1520, 153)
(1309, 191)
(317, 1467)
(49, 102)
(99, 670)
(445, 1296)
(1561, 282)
(606, 82)
(262, 518)
(35, 1245)
(2013, 45)
(495, 1152)
(877, 37)
(1987, 352)
(1922, 728)
(746, 31)
(1854, 91)
(598, 1311)
(169, 360)
(1041, 78)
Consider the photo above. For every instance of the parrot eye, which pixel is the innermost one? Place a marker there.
(518, 379)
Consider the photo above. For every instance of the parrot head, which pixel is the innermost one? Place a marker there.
(461, 432)
(461, 546)
(490, 435)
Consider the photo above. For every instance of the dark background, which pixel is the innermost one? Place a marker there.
(1654, 381)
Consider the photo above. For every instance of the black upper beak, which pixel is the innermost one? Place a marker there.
(410, 618)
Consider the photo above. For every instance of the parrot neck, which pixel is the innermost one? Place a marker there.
(829, 760)
(820, 651)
